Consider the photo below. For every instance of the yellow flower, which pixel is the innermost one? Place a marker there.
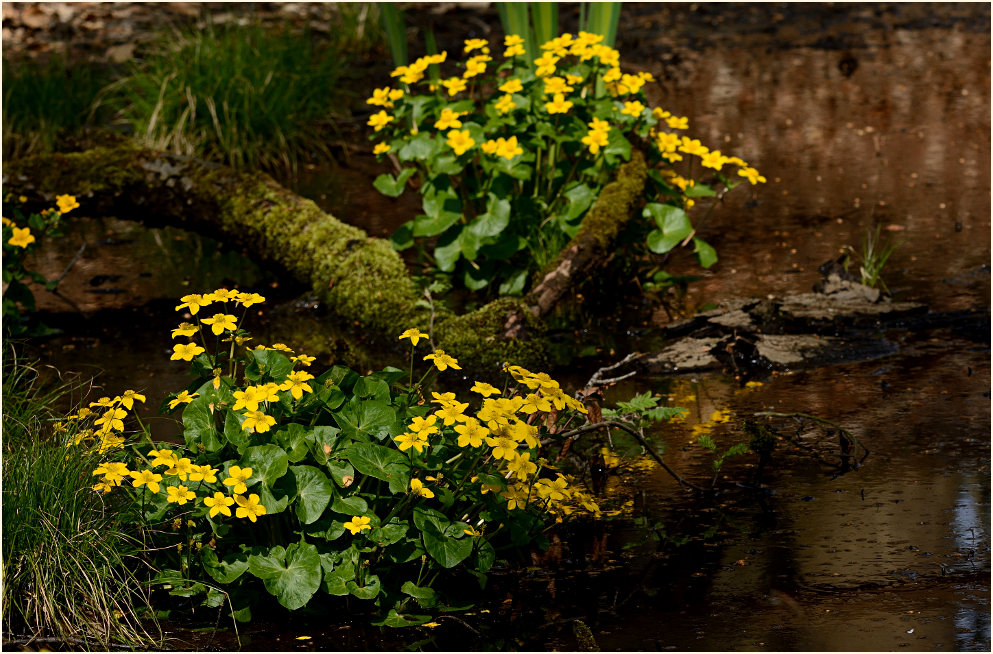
(248, 299)
(417, 488)
(633, 109)
(181, 468)
(184, 329)
(545, 64)
(414, 335)
(751, 175)
(503, 447)
(186, 352)
(357, 524)
(237, 477)
(381, 148)
(129, 397)
(511, 86)
(471, 434)
(484, 389)
(179, 495)
(475, 66)
(146, 478)
(379, 120)
(163, 457)
(558, 105)
(449, 120)
(249, 507)
(223, 295)
(476, 44)
(193, 302)
(677, 122)
(443, 361)
(203, 473)
(507, 148)
(112, 418)
(514, 46)
(454, 85)
(452, 412)
(221, 322)
(460, 141)
(505, 104)
(597, 136)
(66, 203)
(296, 383)
(381, 97)
(489, 147)
(258, 422)
(424, 427)
(555, 85)
(113, 472)
(183, 398)
(713, 159)
(612, 75)
(22, 237)
(219, 503)
(406, 440)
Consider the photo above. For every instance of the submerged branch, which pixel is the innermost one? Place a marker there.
(586, 429)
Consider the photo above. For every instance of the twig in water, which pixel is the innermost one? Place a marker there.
(576, 433)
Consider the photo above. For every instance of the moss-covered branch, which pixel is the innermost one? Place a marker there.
(361, 279)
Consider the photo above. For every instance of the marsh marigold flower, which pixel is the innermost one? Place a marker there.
(454, 85)
(379, 120)
(22, 237)
(449, 120)
(413, 334)
(460, 141)
(146, 478)
(219, 503)
(357, 524)
(185, 351)
(505, 104)
(381, 148)
(66, 203)
(249, 507)
(184, 397)
(179, 495)
(221, 322)
(443, 361)
(193, 302)
(237, 477)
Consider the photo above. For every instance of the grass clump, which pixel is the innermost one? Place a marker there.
(69, 559)
(44, 101)
(244, 96)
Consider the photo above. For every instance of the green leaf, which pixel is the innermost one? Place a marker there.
(371, 388)
(514, 285)
(293, 575)
(386, 535)
(198, 425)
(706, 254)
(580, 197)
(336, 580)
(442, 206)
(293, 439)
(268, 464)
(237, 436)
(674, 226)
(382, 463)
(369, 591)
(403, 237)
(421, 147)
(700, 191)
(322, 441)
(618, 147)
(363, 419)
(314, 491)
(226, 570)
(418, 592)
(393, 187)
(350, 505)
(495, 220)
(339, 471)
(447, 253)
(394, 619)
(440, 539)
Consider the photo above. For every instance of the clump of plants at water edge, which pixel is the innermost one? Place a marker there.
(71, 563)
(338, 484)
(20, 236)
(510, 155)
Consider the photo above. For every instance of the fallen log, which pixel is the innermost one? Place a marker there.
(361, 279)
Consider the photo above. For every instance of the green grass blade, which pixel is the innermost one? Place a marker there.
(515, 20)
(602, 18)
(396, 33)
(545, 16)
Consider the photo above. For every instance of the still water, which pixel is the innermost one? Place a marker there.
(858, 115)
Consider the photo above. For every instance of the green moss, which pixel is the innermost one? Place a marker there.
(613, 207)
(479, 341)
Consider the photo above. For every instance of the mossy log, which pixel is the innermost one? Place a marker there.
(592, 244)
(361, 279)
